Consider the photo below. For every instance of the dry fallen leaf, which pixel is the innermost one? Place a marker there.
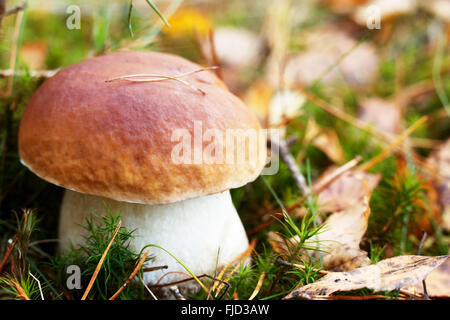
(439, 8)
(34, 54)
(345, 191)
(343, 6)
(257, 98)
(440, 160)
(331, 55)
(326, 140)
(386, 275)
(236, 47)
(437, 283)
(383, 114)
(338, 243)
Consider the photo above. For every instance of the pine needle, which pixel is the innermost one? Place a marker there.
(240, 258)
(340, 114)
(258, 286)
(8, 254)
(362, 125)
(100, 263)
(20, 291)
(133, 274)
(387, 151)
(338, 172)
(160, 77)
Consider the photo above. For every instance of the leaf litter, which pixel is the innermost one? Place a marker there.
(386, 275)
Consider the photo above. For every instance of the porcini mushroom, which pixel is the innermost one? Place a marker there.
(111, 143)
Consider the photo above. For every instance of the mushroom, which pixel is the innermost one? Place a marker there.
(111, 144)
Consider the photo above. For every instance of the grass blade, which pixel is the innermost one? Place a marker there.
(130, 27)
(151, 4)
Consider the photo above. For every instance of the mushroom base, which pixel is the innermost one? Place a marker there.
(205, 233)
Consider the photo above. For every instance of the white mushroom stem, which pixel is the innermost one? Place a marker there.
(205, 233)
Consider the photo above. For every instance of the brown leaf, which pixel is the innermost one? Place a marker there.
(439, 8)
(440, 161)
(343, 233)
(383, 114)
(326, 140)
(331, 55)
(437, 282)
(257, 98)
(343, 6)
(338, 244)
(34, 54)
(386, 275)
(237, 48)
(346, 191)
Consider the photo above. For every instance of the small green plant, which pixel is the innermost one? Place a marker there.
(118, 264)
(22, 287)
(396, 207)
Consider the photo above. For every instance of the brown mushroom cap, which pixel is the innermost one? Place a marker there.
(113, 139)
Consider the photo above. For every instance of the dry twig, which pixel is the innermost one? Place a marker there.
(287, 157)
(149, 269)
(425, 293)
(4, 12)
(176, 293)
(132, 275)
(8, 254)
(335, 174)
